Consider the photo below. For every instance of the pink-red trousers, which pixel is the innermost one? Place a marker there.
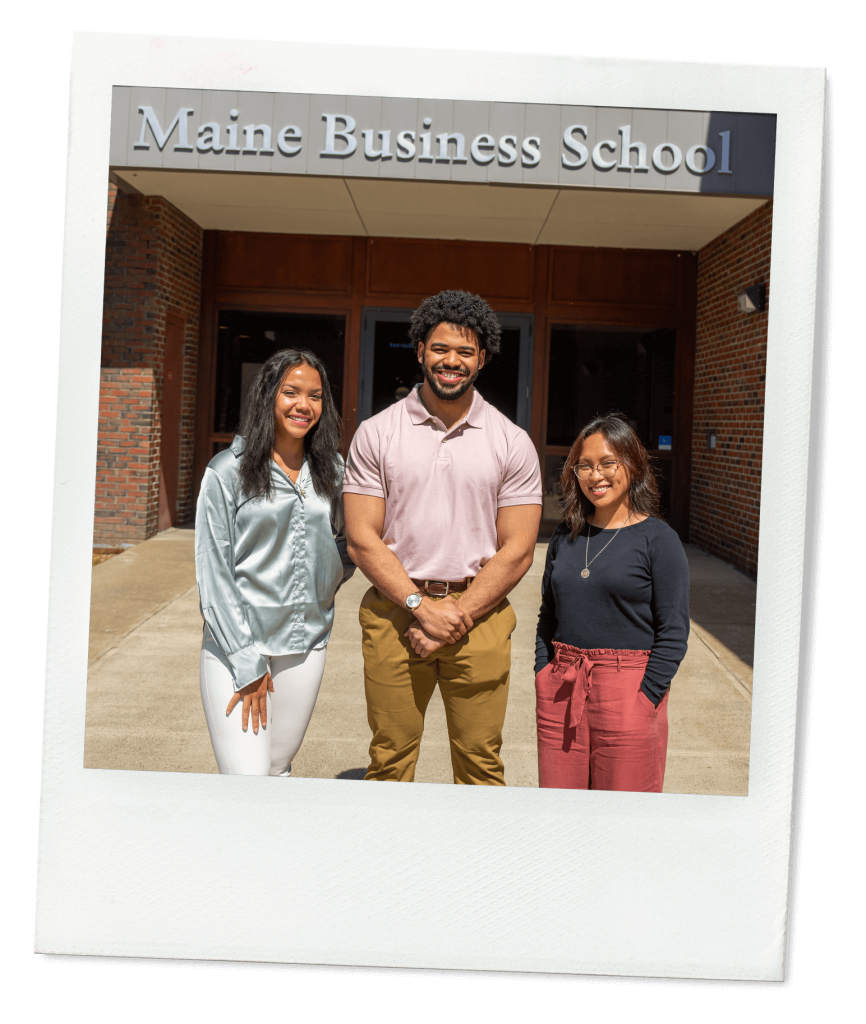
(596, 728)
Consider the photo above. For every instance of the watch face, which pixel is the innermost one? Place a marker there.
(413, 600)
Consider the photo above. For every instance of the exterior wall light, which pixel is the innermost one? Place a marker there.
(752, 300)
(711, 440)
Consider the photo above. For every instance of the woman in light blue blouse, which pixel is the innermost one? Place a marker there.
(270, 554)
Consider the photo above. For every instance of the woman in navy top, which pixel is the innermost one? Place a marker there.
(614, 620)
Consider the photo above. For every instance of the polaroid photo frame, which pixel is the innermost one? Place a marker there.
(235, 868)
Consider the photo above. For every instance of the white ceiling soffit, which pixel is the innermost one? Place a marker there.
(299, 204)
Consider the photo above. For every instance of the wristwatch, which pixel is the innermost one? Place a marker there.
(413, 600)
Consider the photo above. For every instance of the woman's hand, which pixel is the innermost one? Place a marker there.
(422, 643)
(254, 696)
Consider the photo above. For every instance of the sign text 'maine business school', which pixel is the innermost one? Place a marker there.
(340, 139)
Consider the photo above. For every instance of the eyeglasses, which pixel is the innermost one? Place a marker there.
(607, 469)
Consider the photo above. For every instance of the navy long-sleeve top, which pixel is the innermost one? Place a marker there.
(636, 597)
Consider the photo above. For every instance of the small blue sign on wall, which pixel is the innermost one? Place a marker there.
(664, 442)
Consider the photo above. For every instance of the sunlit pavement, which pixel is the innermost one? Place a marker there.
(144, 711)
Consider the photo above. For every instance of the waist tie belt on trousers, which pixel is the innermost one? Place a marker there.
(597, 728)
(575, 668)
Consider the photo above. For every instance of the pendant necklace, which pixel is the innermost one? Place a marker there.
(295, 483)
(585, 572)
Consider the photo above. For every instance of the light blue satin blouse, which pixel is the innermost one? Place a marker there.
(267, 571)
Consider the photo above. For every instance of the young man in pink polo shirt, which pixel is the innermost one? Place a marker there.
(442, 496)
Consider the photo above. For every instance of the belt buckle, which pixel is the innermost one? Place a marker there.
(437, 583)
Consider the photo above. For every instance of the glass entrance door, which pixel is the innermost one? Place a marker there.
(594, 370)
(389, 367)
(247, 338)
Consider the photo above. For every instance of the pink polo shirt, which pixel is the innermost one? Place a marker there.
(442, 489)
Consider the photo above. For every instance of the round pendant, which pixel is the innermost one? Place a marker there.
(585, 573)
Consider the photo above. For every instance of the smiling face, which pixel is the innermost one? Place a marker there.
(450, 361)
(604, 493)
(298, 407)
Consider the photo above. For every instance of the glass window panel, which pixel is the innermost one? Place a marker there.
(247, 339)
(595, 370)
(396, 368)
(497, 382)
(395, 365)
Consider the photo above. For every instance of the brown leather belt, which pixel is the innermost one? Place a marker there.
(442, 588)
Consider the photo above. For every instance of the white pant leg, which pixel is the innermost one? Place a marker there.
(297, 678)
(237, 752)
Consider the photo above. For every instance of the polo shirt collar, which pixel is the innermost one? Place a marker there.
(418, 413)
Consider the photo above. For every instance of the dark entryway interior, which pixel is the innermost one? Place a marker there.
(245, 340)
(594, 370)
(389, 366)
(395, 366)
(500, 380)
(585, 331)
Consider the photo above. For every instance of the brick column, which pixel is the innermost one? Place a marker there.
(730, 364)
(152, 268)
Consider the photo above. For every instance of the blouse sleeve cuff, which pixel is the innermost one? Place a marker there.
(248, 666)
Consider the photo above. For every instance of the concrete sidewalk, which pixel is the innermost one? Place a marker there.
(144, 712)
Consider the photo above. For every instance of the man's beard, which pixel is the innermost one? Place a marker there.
(455, 391)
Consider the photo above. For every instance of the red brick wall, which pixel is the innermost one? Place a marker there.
(127, 468)
(112, 199)
(730, 364)
(152, 268)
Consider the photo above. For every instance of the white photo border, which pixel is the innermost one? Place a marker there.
(153, 864)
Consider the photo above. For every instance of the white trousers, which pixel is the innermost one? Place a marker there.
(270, 751)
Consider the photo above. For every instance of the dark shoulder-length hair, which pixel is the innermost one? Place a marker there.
(321, 444)
(643, 491)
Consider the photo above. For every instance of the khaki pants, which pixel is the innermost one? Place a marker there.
(473, 680)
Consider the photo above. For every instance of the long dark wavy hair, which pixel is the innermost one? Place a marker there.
(643, 491)
(321, 444)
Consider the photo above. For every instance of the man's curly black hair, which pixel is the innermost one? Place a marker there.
(461, 309)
